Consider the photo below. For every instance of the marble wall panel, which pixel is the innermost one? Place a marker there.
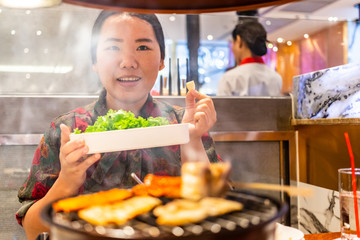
(328, 93)
(319, 213)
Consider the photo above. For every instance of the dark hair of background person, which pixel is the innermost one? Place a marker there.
(150, 18)
(254, 35)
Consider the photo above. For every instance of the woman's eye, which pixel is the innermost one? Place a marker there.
(142, 48)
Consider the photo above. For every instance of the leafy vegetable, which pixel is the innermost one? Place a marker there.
(116, 120)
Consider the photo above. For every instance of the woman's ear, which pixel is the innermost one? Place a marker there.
(239, 41)
(162, 65)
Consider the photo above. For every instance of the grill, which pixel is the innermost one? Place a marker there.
(257, 220)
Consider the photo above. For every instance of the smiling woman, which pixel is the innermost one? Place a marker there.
(127, 54)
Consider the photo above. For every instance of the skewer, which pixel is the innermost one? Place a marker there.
(292, 191)
(136, 178)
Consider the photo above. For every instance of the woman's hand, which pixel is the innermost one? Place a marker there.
(74, 161)
(201, 114)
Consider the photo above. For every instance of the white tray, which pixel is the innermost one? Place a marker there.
(135, 138)
(287, 233)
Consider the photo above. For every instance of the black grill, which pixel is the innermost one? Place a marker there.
(257, 217)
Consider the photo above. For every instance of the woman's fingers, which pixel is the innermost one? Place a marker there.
(190, 99)
(194, 95)
(207, 107)
(198, 95)
(203, 123)
(76, 147)
(71, 151)
(208, 101)
(65, 134)
(74, 151)
(74, 159)
(200, 111)
(90, 160)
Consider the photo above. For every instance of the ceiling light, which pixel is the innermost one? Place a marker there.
(275, 49)
(201, 71)
(270, 45)
(13, 32)
(306, 35)
(172, 18)
(29, 3)
(280, 40)
(289, 43)
(268, 22)
(210, 37)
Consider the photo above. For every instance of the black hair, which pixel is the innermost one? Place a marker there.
(254, 35)
(150, 18)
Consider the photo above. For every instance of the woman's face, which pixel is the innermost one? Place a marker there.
(128, 60)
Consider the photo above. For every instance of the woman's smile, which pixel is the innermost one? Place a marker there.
(128, 82)
(128, 79)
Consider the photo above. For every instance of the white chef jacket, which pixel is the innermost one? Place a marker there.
(250, 79)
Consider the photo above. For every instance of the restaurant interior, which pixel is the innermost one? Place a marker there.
(296, 139)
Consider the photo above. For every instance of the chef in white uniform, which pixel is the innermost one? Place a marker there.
(251, 77)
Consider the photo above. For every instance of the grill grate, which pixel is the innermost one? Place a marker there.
(257, 211)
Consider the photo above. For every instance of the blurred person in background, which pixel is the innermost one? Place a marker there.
(251, 76)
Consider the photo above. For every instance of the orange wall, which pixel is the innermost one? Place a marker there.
(323, 49)
(288, 65)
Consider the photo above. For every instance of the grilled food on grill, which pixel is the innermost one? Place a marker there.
(196, 177)
(200, 179)
(180, 212)
(88, 200)
(219, 178)
(219, 206)
(119, 213)
(184, 211)
(158, 186)
(195, 194)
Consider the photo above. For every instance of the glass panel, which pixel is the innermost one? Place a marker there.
(46, 51)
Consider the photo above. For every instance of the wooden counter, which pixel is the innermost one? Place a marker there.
(322, 149)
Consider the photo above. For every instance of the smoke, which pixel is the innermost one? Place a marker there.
(50, 54)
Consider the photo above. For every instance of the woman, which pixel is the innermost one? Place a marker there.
(127, 52)
(251, 77)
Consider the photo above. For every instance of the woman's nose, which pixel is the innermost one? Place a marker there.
(128, 60)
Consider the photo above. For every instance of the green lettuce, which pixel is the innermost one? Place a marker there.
(117, 120)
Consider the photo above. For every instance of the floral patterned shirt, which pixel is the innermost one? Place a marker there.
(114, 168)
